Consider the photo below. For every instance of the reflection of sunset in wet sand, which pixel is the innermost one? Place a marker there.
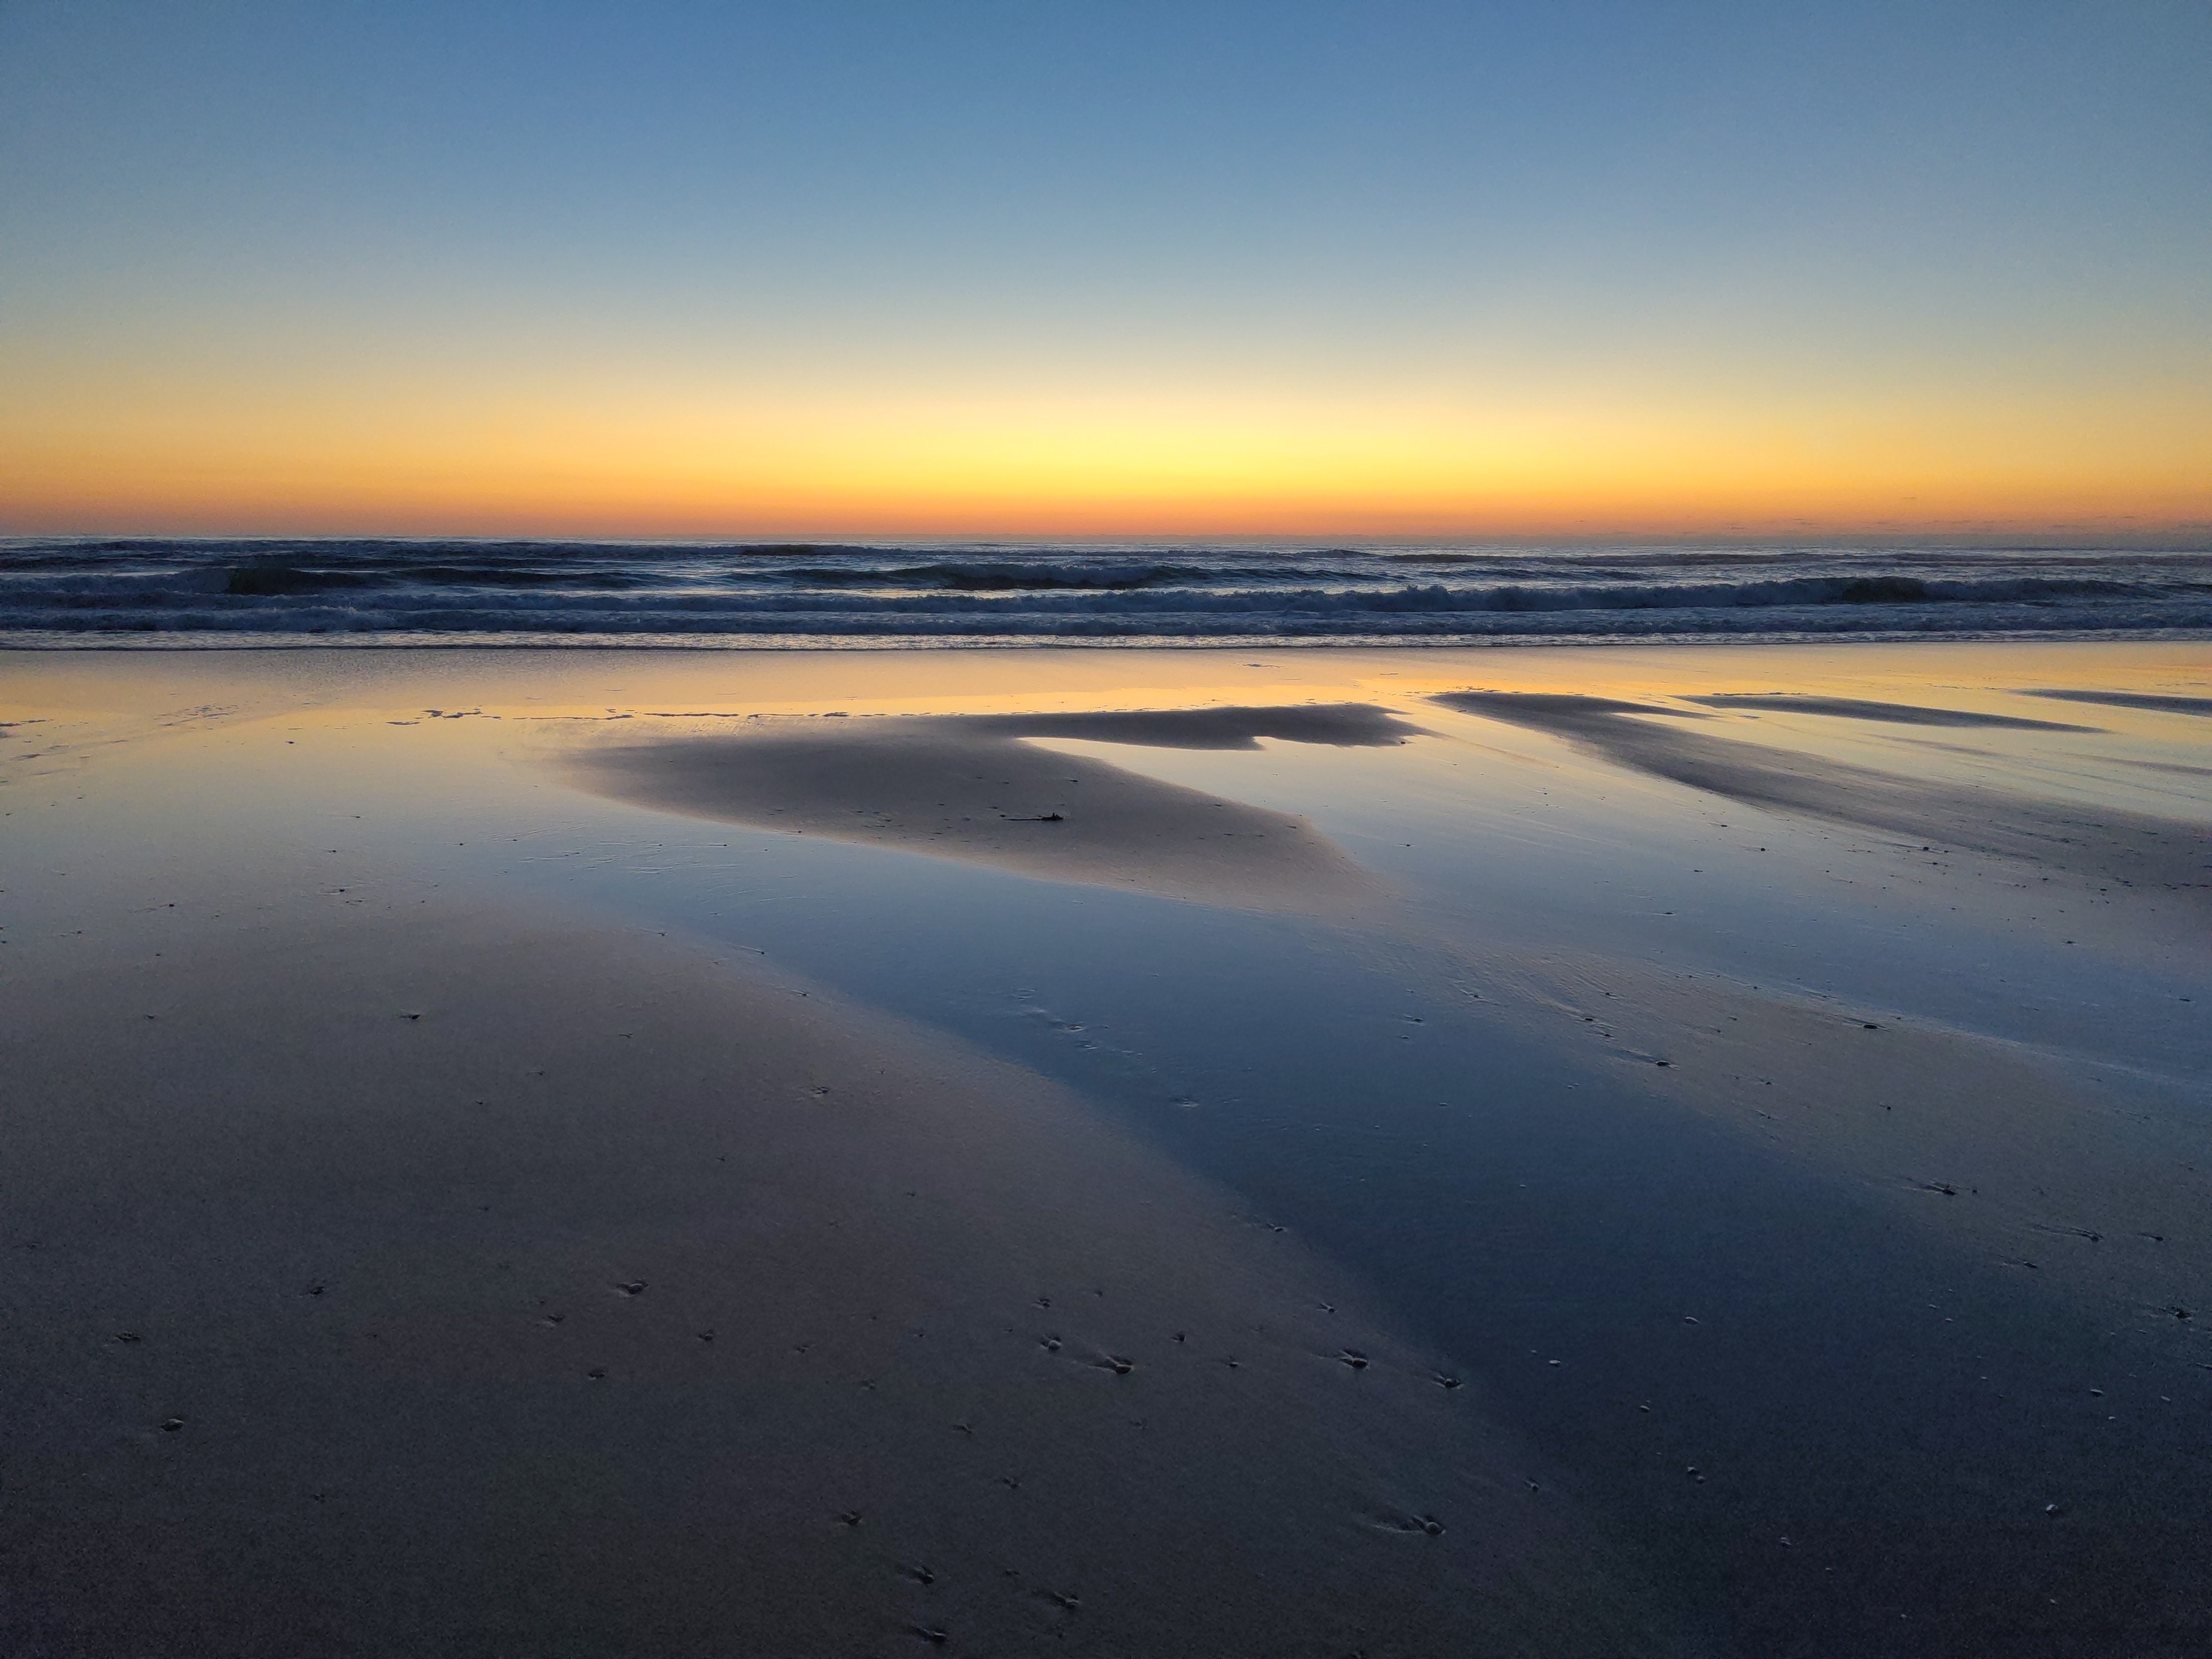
(1386, 1115)
(1224, 831)
(2089, 843)
(966, 787)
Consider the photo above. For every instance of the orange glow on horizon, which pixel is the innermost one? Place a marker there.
(663, 465)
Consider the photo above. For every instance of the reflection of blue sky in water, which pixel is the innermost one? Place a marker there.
(1518, 1200)
(1519, 845)
(1893, 1397)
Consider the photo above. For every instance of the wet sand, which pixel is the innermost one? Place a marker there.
(1896, 713)
(542, 1152)
(969, 787)
(2103, 843)
(2161, 702)
(2092, 1183)
(423, 1279)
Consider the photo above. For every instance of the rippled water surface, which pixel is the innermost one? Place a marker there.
(172, 592)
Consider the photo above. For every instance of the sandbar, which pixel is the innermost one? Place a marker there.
(2135, 849)
(973, 788)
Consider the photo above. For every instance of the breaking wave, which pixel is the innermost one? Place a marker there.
(181, 592)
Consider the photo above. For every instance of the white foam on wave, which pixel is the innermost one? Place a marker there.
(113, 591)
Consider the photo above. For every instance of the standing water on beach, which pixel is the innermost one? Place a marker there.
(1594, 1150)
(1136, 831)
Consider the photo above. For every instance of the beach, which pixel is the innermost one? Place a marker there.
(1578, 1150)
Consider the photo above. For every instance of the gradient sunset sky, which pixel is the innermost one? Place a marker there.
(1394, 270)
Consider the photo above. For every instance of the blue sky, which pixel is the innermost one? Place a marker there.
(1388, 205)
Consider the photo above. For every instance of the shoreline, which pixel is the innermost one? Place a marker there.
(38, 642)
(1747, 1168)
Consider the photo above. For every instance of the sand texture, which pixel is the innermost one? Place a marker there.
(435, 1283)
(2106, 843)
(447, 1211)
(2156, 702)
(2055, 1170)
(971, 789)
(1889, 713)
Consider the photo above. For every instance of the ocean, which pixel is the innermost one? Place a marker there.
(171, 592)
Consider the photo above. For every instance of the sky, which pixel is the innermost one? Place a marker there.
(1620, 268)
